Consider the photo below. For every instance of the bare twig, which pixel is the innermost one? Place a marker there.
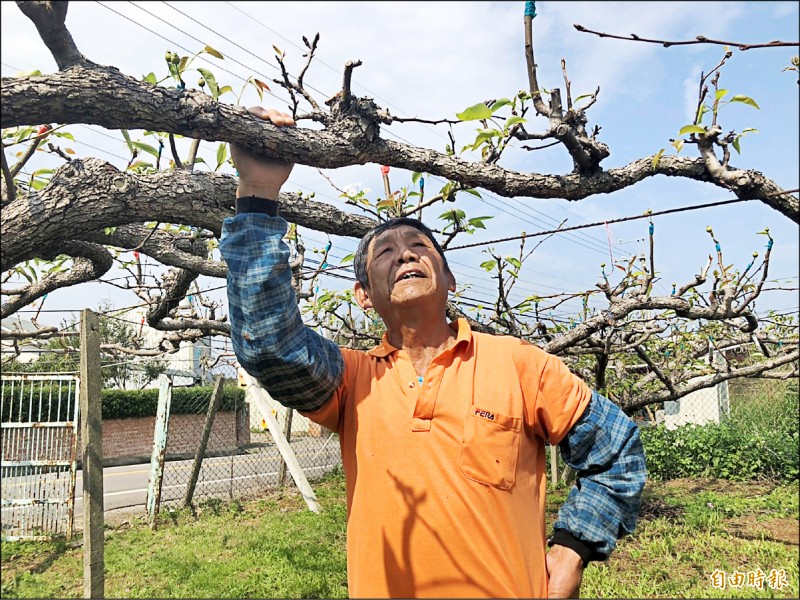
(700, 39)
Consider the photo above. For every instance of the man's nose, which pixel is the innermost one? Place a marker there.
(408, 255)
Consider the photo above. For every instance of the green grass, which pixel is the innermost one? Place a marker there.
(273, 547)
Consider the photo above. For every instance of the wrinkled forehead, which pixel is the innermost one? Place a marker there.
(400, 233)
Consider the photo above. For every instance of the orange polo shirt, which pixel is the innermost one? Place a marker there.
(446, 479)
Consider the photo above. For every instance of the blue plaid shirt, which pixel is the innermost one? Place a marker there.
(301, 369)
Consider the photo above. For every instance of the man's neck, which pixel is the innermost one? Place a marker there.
(422, 340)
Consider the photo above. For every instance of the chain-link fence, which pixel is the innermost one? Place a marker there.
(241, 459)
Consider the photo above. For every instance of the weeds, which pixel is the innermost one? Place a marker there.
(273, 547)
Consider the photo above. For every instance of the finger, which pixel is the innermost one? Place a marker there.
(279, 118)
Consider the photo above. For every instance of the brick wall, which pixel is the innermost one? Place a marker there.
(125, 440)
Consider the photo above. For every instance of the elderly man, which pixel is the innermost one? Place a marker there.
(442, 430)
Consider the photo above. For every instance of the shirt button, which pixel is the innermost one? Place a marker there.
(411, 384)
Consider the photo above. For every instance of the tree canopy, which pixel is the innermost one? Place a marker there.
(73, 224)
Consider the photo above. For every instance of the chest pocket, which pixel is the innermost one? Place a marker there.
(490, 448)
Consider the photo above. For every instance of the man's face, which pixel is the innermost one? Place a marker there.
(403, 269)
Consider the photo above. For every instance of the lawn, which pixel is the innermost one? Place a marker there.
(688, 530)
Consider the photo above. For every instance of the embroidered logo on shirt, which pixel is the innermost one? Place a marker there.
(484, 413)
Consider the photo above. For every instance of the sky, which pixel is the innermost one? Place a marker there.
(432, 60)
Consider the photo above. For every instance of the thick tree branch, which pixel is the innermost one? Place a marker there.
(118, 101)
(85, 196)
(49, 17)
(90, 262)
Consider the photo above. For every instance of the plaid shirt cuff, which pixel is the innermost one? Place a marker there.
(605, 448)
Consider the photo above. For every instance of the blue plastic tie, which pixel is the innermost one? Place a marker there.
(718, 248)
(530, 9)
(327, 246)
(181, 86)
(421, 184)
(769, 245)
(324, 264)
(673, 291)
(160, 148)
(652, 228)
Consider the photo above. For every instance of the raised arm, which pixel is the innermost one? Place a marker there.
(297, 366)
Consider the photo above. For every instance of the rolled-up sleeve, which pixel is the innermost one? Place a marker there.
(297, 366)
(605, 449)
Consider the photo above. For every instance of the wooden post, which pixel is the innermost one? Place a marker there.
(287, 432)
(159, 449)
(554, 465)
(92, 457)
(213, 407)
(259, 397)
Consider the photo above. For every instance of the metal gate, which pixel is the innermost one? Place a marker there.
(39, 421)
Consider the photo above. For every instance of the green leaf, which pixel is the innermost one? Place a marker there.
(513, 120)
(678, 145)
(211, 81)
(475, 113)
(385, 203)
(150, 78)
(488, 265)
(110, 230)
(701, 111)
(657, 157)
(477, 222)
(146, 147)
(748, 130)
(581, 97)
(213, 52)
(34, 73)
(225, 89)
(127, 139)
(745, 100)
(347, 259)
(735, 144)
(64, 134)
(473, 192)
(222, 154)
(720, 94)
(500, 104)
(692, 129)
(481, 138)
(415, 176)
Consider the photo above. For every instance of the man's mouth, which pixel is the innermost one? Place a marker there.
(411, 275)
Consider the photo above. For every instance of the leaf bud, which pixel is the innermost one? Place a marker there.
(201, 82)
(168, 56)
(709, 230)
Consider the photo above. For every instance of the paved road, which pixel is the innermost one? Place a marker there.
(238, 476)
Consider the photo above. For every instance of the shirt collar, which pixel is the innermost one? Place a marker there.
(463, 336)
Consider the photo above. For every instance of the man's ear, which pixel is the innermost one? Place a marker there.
(451, 281)
(362, 297)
